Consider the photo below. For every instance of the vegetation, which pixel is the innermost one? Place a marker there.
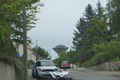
(30, 63)
(41, 52)
(19, 69)
(11, 28)
(96, 41)
(81, 34)
(113, 9)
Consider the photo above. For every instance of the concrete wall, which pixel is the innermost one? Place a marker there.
(101, 67)
(7, 72)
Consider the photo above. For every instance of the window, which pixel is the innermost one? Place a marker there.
(38, 63)
(47, 63)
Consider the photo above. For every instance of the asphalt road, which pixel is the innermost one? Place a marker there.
(77, 75)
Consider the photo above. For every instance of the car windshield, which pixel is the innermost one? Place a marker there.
(47, 63)
(65, 62)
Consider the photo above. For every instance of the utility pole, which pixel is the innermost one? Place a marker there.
(25, 44)
(37, 51)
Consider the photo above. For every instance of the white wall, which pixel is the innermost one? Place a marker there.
(7, 72)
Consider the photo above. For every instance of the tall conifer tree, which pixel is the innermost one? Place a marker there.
(113, 7)
(82, 25)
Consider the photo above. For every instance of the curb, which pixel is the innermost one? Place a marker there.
(116, 76)
(96, 73)
(80, 70)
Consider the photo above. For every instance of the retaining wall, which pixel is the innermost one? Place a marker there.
(113, 66)
(7, 72)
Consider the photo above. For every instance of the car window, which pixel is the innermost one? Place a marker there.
(38, 63)
(65, 62)
(47, 63)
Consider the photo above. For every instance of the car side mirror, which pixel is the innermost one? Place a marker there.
(56, 65)
(33, 65)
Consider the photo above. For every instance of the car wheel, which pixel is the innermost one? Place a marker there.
(70, 78)
(37, 76)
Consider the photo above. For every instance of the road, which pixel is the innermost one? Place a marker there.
(77, 75)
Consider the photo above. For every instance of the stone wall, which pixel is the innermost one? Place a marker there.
(112, 65)
(7, 72)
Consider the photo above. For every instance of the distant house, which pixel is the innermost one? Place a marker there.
(31, 55)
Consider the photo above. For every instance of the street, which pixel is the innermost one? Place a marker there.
(77, 75)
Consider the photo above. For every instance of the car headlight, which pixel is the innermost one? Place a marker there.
(56, 69)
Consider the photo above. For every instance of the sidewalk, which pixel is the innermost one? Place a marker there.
(98, 71)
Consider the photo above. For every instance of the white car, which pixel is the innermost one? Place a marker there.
(41, 69)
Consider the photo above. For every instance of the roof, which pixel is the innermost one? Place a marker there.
(60, 46)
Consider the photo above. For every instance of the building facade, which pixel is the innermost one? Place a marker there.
(31, 55)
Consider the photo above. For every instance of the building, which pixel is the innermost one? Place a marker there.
(31, 55)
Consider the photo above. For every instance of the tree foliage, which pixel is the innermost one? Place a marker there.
(16, 22)
(100, 12)
(80, 35)
(113, 8)
(112, 48)
(98, 29)
(64, 56)
(82, 25)
(41, 52)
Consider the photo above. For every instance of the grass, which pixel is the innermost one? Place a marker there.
(29, 67)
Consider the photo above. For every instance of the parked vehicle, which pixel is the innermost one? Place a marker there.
(65, 65)
(41, 69)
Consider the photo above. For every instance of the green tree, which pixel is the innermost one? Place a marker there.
(88, 15)
(98, 29)
(79, 35)
(111, 47)
(64, 57)
(6, 9)
(16, 22)
(113, 8)
(42, 52)
(82, 25)
(95, 33)
(100, 12)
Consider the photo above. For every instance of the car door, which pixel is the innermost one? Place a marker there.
(34, 69)
(36, 65)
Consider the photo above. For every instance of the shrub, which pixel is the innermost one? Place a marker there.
(98, 59)
(30, 62)
(29, 67)
(109, 47)
(19, 69)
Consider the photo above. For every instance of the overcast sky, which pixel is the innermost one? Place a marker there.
(57, 21)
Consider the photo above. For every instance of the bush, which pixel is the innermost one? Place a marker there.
(30, 63)
(19, 69)
(116, 59)
(98, 59)
(113, 48)
(29, 67)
